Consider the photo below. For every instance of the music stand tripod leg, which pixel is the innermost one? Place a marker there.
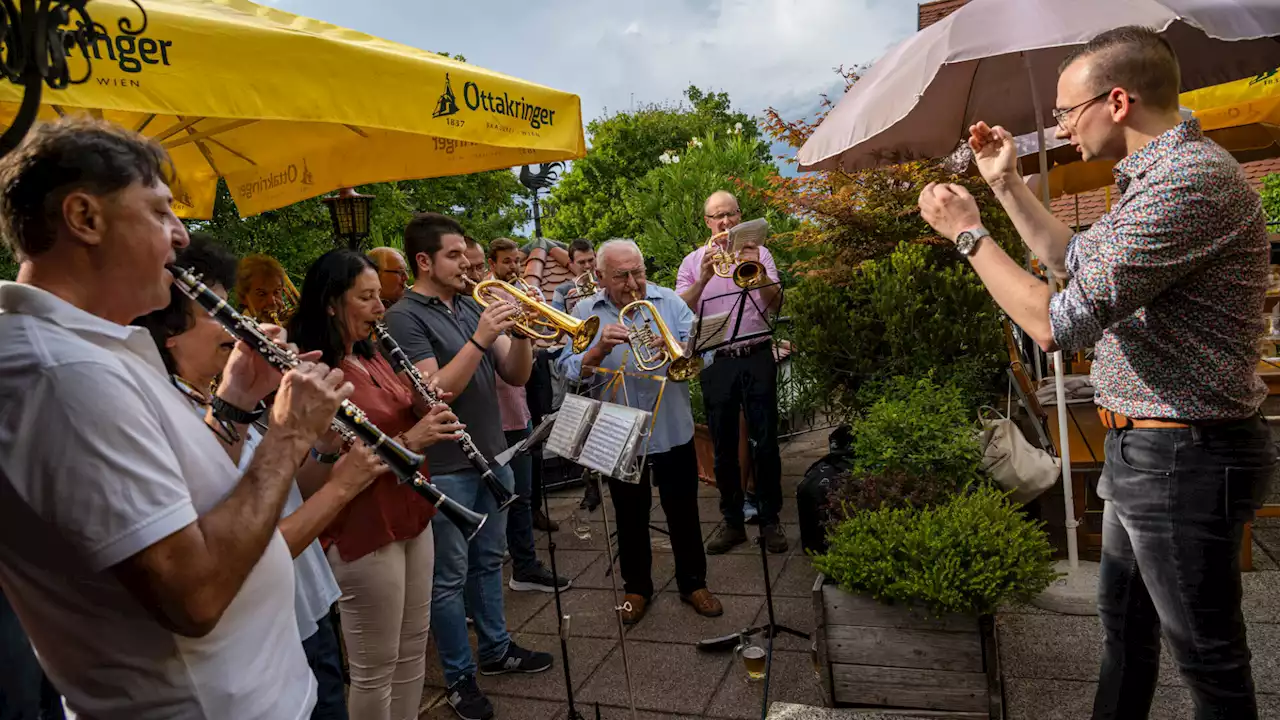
(771, 629)
(562, 629)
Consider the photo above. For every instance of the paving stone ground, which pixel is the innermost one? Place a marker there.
(670, 677)
(1050, 661)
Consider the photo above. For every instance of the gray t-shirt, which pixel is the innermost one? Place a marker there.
(425, 327)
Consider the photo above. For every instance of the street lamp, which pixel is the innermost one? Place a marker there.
(349, 211)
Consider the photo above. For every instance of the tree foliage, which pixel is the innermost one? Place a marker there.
(589, 200)
(1271, 198)
(668, 201)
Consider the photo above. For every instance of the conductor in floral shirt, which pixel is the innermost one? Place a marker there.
(1169, 287)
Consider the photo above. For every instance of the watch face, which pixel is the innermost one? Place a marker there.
(964, 242)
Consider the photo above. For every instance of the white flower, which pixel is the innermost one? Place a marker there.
(695, 142)
(737, 127)
(675, 158)
(664, 158)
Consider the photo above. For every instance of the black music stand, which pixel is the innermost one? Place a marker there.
(772, 628)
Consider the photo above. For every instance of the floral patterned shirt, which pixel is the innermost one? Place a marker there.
(1170, 284)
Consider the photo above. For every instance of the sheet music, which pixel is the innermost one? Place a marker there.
(572, 422)
(751, 231)
(539, 434)
(710, 330)
(611, 446)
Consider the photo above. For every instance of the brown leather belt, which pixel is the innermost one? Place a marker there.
(1116, 421)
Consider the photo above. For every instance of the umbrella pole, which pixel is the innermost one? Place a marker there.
(1075, 592)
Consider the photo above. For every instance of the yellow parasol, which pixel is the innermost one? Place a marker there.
(1242, 116)
(287, 108)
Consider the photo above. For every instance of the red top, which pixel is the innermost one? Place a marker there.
(387, 510)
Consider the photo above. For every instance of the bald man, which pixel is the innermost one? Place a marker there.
(392, 271)
(742, 376)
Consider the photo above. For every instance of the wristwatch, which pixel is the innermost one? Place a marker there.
(967, 241)
(225, 411)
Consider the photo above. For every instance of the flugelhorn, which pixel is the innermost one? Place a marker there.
(728, 261)
(653, 344)
(537, 319)
(393, 352)
(585, 284)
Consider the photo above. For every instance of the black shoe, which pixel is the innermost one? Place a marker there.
(726, 538)
(591, 498)
(517, 660)
(774, 539)
(540, 580)
(467, 701)
(544, 523)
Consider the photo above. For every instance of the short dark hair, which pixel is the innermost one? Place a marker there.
(206, 257)
(1137, 59)
(58, 158)
(498, 245)
(579, 245)
(472, 242)
(423, 233)
(328, 279)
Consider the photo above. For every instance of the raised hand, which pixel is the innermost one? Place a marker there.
(612, 336)
(438, 424)
(247, 378)
(309, 397)
(495, 320)
(994, 152)
(357, 468)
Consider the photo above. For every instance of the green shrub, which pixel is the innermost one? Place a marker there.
(920, 428)
(915, 311)
(849, 493)
(967, 556)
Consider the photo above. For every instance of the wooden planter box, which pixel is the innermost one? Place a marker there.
(878, 656)
(706, 453)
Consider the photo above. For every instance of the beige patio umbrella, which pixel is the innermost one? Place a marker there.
(997, 61)
(920, 98)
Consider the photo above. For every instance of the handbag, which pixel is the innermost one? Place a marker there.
(1022, 469)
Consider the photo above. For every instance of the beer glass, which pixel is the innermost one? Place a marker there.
(753, 658)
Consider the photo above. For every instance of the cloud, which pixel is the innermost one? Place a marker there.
(764, 53)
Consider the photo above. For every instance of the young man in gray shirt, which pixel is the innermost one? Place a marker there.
(461, 346)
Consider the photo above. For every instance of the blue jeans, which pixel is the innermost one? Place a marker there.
(524, 559)
(322, 654)
(475, 569)
(1176, 504)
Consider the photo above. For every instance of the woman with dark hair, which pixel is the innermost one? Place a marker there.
(376, 546)
(195, 349)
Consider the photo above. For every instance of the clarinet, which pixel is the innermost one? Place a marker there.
(350, 420)
(500, 494)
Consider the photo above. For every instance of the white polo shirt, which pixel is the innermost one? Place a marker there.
(101, 457)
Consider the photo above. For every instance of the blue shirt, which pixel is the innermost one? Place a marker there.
(674, 423)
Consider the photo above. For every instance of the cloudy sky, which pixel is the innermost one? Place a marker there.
(764, 53)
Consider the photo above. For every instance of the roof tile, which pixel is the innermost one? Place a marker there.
(932, 12)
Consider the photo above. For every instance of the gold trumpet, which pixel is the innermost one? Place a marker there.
(586, 284)
(532, 316)
(728, 263)
(646, 331)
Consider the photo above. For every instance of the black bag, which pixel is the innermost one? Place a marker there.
(811, 493)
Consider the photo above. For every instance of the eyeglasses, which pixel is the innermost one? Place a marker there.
(1062, 115)
(399, 273)
(725, 215)
(622, 275)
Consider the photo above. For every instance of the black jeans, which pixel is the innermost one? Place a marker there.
(1176, 504)
(729, 385)
(539, 392)
(322, 654)
(520, 543)
(675, 472)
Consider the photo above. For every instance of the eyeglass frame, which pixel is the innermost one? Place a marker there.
(1061, 115)
(723, 215)
(638, 274)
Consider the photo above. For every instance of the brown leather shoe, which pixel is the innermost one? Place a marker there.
(633, 607)
(704, 603)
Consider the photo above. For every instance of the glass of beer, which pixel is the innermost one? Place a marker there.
(753, 658)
